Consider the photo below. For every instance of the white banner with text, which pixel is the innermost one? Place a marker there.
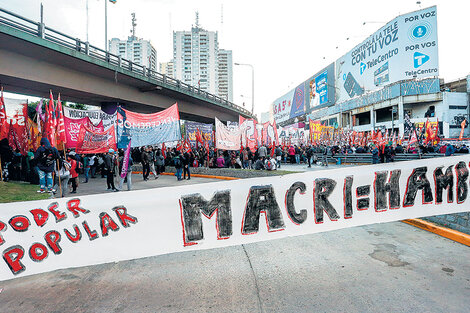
(46, 235)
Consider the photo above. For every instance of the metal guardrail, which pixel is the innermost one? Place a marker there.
(38, 29)
(366, 158)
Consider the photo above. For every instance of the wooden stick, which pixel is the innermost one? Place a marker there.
(1, 170)
(58, 173)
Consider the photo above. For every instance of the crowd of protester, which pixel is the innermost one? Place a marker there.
(59, 171)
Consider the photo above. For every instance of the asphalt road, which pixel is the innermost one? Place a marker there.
(392, 267)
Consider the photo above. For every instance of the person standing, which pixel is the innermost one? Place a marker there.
(110, 169)
(73, 172)
(151, 153)
(145, 164)
(46, 156)
(159, 162)
(375, 154)
(128, 176)
(62, 177)
(262, 152)
(178, 163)
(186, 163)
(86, 166)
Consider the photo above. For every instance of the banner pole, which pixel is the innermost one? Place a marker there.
(1, 169)
(58, 174)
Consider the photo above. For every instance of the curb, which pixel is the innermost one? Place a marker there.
(197, 175)
(441, 231)
(416, 222)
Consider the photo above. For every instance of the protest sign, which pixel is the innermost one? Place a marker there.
(96, 141)
(227, 138)
(42, 236)
(96, 120)
(148, 129)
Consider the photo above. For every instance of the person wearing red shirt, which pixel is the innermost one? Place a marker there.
(73, 171)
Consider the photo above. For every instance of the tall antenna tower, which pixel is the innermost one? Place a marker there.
(197, 19)
(134, 24)
(222, 14)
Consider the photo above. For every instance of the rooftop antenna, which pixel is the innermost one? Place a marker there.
(134, 24)
(197, 19)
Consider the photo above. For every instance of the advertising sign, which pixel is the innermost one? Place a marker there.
(282, 107)
(321, 89)
(405, 48)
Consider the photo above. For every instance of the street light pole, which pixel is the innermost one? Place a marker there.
(252, 85)
(106, 25)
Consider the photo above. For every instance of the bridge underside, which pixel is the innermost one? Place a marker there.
(32, 69)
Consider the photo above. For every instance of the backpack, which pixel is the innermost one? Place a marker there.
(47, 157)
(177, 162)
(79, 167)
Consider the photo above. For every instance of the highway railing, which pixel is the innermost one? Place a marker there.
(366, 158)
(38, 29)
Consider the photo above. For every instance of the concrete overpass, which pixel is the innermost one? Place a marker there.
(35, 59)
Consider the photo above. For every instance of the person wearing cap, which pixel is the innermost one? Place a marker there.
(110, 166)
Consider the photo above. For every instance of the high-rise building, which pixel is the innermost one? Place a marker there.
(136, 50)
(196, 61)
(166, 68)
(225, 75)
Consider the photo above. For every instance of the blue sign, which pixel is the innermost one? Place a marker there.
(419, 59)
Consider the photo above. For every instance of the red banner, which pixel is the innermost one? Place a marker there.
(249, 133)
(92, 141)
(73, 126)
(16, 126)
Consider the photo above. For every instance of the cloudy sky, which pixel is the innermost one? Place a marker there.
(286, 41)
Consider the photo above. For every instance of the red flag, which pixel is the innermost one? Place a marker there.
(462, 125)
(3, 118)
(273, 148)
(60, 121)
(163, 150)
(186, 145)
(50, 122)
(436, 133)
(180, 145)
(413, 139)
(199, 136)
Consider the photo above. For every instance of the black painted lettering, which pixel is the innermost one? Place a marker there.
(322, 189)
(462, 176)
(347, 194)
(444, 181)
(262, 199)
(194, 204)
(392, 187)
(418, 181)
(297, 218)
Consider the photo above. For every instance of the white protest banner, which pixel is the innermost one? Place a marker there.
(46, 235)
(227, 138)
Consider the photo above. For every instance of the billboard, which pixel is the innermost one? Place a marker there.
(321, 89)
(404, 48)
(316, 92)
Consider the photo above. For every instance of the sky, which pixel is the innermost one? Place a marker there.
(285, 41)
